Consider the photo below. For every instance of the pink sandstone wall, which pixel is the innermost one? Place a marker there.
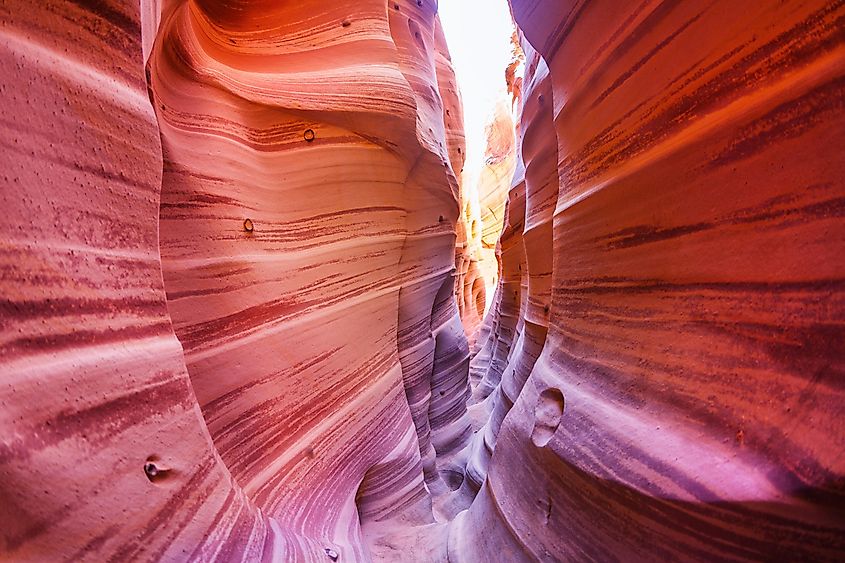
(688, 402)
(309, 281)
(240, 283)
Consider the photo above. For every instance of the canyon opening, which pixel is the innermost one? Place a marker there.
(499, 280)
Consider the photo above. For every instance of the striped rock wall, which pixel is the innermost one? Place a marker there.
(688, 402)
(229, 328)
(237, 270)
(94, 384)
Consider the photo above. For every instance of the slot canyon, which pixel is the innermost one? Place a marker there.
(254, 308)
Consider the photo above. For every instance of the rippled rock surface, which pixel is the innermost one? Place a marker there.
(242, 285)
(683, 176)
(229, 319)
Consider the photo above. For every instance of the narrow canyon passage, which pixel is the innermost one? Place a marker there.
(268, 295)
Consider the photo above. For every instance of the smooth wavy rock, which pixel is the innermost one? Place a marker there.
(94, 384)
(239, 269)
(500, 165)
(296, 233)
(688, 402)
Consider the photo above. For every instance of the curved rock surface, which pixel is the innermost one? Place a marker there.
(688, 402)
(241, 279)
(500, 164)
(94, 384)
(304, 232)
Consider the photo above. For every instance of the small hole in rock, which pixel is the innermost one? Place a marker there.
(153, 471)
(440, 219)
(395, 6)
(419, 3)
(248, 226)
(547, 414)
(309, 135)
(346, 23)
(453, 479)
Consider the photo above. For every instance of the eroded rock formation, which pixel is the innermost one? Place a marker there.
(238, 267)
(683, 176)
(500, 163)
(306, 231)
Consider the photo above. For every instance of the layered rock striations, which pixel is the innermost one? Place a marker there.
(241, 277)
(494, 180)
(688, 400)
(103, 450)
(304, 231)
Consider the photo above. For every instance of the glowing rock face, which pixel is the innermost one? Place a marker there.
(494, 179)
(696, 321)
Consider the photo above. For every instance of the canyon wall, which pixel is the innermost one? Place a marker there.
(494, 179)
(104, 451)
(229, 319)
(681, 221)
(239, 274)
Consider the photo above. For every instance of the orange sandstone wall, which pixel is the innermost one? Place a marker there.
(492, 185)
(93, 384)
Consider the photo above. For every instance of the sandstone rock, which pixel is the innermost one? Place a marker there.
(243, 285)
(695, 330)
(306, 232)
